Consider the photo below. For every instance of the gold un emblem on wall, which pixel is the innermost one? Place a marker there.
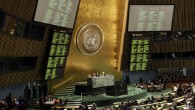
(90, 39)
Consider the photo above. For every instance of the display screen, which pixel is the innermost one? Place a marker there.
(56, 62)
(57, 55)
(150, 17)
(61, 38)
(53, 73)
(57, 12)
(58, 50)
(139, 53)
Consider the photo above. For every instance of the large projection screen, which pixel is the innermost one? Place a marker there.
(57, 12)
(150, 17)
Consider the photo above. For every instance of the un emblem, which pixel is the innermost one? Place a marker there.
(89, 39)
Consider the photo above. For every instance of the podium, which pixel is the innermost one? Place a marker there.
(101, 81)
(88, 90)
(117, 89)
(94, 85)
(100, 85)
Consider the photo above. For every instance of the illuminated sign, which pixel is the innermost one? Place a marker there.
(57, 55)
(53, 73)
(139, 53)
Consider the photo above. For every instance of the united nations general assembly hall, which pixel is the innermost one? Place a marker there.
(97, 54)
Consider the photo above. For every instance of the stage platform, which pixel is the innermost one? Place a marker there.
(103, 99)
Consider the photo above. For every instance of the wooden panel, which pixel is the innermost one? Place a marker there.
(8, 5)
(169, 64)
(16, 46)
(28, 9)
(163, 46)
(186, 63)
(173, 64)
(2, 44)
(154, 47)
(167, 46)
(180, 45)
(154, 65)
(193, 45)
(190, 45)
(192, 64)
(20, 8)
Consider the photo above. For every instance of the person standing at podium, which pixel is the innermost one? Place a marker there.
(127, 79)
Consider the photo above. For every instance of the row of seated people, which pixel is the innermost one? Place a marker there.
(160, 83)
(151, 87)
(181, 89)
(168, 101)
(162, 101)
(156, 85)
(179, 103)
(176, 77)
(11, 103)
(83, 106)
(60, 104)
(49, 102)
(151, 104)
